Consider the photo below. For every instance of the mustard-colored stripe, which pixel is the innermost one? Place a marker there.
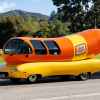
(79, 45)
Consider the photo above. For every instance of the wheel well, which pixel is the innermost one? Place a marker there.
(89, 74)
(39, 75)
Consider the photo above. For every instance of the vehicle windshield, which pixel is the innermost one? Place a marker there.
(17, 46)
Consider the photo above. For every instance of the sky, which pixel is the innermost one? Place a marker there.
(38, 6)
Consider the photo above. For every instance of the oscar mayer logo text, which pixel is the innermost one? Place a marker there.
(80, 49)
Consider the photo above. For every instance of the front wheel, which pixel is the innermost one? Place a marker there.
(84, 76)
(33, 78)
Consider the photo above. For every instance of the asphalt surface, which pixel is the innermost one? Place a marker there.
(52, 89)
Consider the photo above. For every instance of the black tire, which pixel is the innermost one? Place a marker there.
(84, 76)
(33, 78)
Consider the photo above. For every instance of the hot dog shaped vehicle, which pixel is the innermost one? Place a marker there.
(34, 58)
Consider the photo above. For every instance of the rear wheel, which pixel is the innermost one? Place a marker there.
(33, 78)
(84, 76)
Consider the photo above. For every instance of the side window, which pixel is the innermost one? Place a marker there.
(53, 47)
(39, 47)
(24, 48)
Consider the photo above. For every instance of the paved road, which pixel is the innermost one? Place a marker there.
(51, 90)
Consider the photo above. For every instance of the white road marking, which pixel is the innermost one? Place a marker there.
(70, 97)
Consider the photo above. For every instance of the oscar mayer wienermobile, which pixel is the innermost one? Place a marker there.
(33, 58)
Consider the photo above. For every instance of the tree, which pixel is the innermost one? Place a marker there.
(74, 12)
(44, 28)
(6, 31)
(92, 17)
(53, 16)
(96, 13)
(57, 28)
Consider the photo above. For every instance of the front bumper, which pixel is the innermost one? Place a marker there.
(18, 74)
(7, 73)
(11, 71)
